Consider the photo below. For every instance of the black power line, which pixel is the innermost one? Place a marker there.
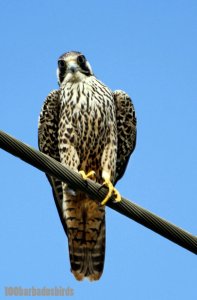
(125, 207)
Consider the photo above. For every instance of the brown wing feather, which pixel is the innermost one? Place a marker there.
(48, 143)
(126, 130)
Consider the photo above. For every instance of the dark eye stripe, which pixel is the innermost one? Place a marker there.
(62, 69)
(62, 64)
(81, 59)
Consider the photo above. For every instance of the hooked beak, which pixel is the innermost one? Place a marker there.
(72, 67)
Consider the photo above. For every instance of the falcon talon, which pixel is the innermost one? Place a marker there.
(112, 192)
(115, 193)
(90, 175)
(117, 196)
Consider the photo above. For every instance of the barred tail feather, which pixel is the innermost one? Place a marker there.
(86, 238)
(87, 261)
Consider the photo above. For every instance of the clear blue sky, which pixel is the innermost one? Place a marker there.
(148, 49)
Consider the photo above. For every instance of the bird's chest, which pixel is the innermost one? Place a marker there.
(85, 112)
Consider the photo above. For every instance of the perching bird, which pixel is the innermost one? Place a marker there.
(91, 129)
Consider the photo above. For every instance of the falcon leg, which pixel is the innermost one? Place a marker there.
(90, 175)
(112, 191)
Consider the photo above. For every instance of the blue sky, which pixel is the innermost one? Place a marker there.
(148, 49)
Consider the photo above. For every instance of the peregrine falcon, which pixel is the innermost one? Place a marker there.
(86, 126)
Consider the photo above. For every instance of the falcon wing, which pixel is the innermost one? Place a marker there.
(48, 142)
(126, 130)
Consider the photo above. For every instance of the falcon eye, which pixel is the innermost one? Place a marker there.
(62, 64)
(81, 59)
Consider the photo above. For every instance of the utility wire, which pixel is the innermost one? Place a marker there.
(97, 192)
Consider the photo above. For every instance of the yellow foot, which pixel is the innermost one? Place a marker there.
(112, 192)
(90, 175)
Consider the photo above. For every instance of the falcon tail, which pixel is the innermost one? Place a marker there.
(86, 238)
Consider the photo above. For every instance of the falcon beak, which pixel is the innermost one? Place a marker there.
(72, 67)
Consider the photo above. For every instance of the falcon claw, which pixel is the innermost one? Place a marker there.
(89, 175)
(112, 192)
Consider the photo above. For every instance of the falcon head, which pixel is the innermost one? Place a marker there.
(73, 67)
